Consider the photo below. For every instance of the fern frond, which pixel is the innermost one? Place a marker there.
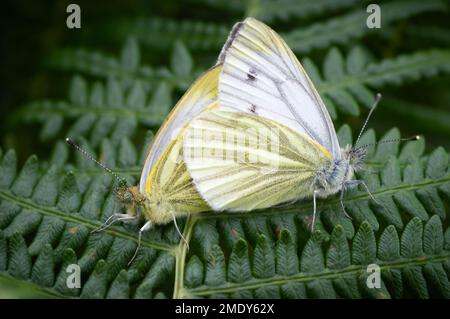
(126, 68)
(346, 81)
(59, 210)
(333, 262)
(161, 33)
(111, 111)
(343, 28)
(46, 216)
(100, 110)
(269, 10)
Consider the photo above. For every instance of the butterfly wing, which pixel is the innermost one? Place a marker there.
(261, 75)
(201, 94)
(172, 188)
(240, 161)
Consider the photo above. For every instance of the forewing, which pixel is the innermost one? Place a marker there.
(240, 161)
(261, 75)
(172, 183)
(201, 94)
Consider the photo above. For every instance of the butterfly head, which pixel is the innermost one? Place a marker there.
(356, 157)
(357, 154)
(127, 195)
(154, 208)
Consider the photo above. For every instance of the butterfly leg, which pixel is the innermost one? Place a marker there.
(146, 226)
(314, 210)
(341, 200)
(179, 232)
(112, 219)
(360, 182)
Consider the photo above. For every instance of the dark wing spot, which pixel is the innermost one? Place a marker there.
(251, 75)
(252, 108)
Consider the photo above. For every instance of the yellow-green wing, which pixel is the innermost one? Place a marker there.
(241, 162)
(201, 94)
(172, 190)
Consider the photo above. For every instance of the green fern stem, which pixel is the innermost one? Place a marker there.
(180, 255)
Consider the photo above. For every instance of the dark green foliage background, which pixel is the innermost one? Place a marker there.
(112, 82)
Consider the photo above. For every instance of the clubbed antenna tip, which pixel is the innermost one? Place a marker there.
(69, 141)
(395, 140)
(377, 99)
(375, 103)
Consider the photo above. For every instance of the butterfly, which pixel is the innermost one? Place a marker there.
(262, 86)
(257, 85)
(165, 190)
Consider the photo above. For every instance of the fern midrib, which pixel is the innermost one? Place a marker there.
(324, 30)
(303, 206)
(117, 70)
(47, 211)
(108, 68)
(29, 285)
(29, 204)
(349, 81)
(327, 274)
(351, 25)
(73, 110)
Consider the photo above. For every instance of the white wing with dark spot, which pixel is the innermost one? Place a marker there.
(262, 76)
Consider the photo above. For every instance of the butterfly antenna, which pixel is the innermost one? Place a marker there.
(89, 156)
(377, 100)
(404, 139)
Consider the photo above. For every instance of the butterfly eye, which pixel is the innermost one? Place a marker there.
(127, 197)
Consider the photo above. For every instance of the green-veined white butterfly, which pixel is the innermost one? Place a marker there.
(166, 190)
(257, 83)
(262, 84)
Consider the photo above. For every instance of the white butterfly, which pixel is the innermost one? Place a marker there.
(262, 84)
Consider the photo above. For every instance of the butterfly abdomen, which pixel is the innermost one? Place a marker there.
(157, 211)
(160, 208)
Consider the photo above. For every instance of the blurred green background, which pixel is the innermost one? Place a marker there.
(33, 31)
